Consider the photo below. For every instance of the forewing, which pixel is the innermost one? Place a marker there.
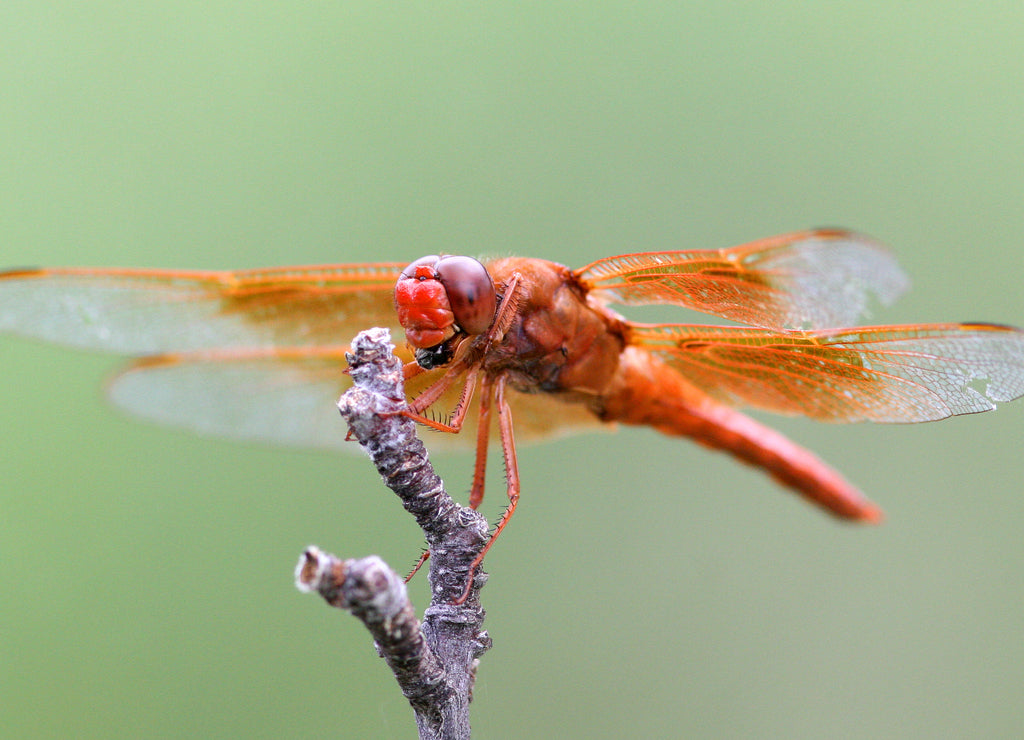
(810, 279)
(882, 374)
(151, 311)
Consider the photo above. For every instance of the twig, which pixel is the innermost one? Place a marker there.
(434, 662)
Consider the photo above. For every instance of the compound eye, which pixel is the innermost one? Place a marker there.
(470, 292)
(429, 261)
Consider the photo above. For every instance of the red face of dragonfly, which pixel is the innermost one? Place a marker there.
(260, 353)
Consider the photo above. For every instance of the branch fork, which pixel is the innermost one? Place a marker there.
(434, 661)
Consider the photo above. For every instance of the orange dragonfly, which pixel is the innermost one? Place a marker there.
(260, 354)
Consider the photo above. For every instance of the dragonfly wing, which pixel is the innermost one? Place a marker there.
(281, 396)
(882, 374)
(287, 396)
(160, 311)
(809, 279)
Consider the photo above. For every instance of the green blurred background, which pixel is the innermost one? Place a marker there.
(646, 588)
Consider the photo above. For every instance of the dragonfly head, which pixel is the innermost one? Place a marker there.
(440, 296)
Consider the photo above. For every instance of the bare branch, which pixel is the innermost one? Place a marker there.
(433, 662)
(376, 595)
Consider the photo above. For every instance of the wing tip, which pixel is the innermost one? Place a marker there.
(842, 232)
(989, 326)
(17, 273)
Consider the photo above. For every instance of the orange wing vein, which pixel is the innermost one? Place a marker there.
(809, 279)
(881, 374)
(149, 311)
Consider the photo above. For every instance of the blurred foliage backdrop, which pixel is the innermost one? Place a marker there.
(647, 588)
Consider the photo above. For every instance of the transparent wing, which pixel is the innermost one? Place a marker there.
(882, 374)
(150, 311)
(281, 396)
(288, 395)
(809, 279)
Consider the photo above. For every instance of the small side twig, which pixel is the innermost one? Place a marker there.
(434, 661)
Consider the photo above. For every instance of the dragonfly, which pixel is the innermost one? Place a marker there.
(260, 354)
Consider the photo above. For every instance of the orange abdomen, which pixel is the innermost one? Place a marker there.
(647, 392)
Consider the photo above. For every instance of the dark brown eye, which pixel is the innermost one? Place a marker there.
(470, 292)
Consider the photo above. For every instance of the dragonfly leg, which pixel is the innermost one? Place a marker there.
(508, 449)
(424, 556)
(483, 431)
(420, 404)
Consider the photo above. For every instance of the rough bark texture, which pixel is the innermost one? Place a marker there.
(434, 661)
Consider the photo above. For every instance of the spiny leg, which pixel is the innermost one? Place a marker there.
(505, 313)
(508, 449)
(483, 431)
(476, 492)
(454, 426)
(424, 557)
